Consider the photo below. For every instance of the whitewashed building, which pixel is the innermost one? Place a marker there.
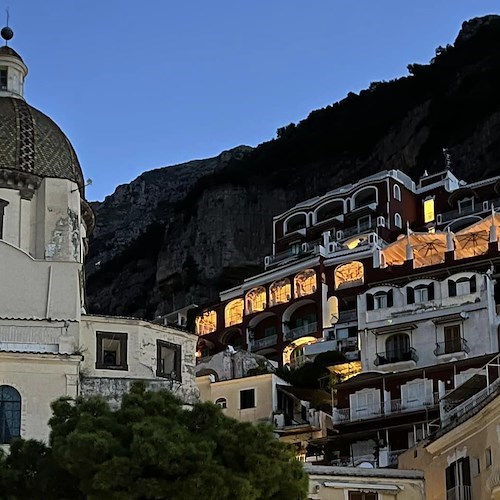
(49, 347)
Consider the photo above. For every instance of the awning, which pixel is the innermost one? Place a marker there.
(401, 327)
(466, 390)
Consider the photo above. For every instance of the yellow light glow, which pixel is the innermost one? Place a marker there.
(233, 314)
(305, 283)
(353, 243)
(280, 292)
(429, 214)
(351, 273)
(206, 323)
(256, 300)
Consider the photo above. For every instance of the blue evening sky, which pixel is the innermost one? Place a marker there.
(140, 85)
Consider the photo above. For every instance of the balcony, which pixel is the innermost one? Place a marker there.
(301, 331)
(358, 229)
(346, 316)
(384, 358)
(392, 407)
(270, 341)
(462, 212)
(456, 345)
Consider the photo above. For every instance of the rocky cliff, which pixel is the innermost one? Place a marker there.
(181, 234)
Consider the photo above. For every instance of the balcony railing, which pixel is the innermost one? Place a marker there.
(346, 316)
(458, 345)
(460, 492)
(265, 342)
(476, 209)
(394, 406)
(396, 356)
(362, 228)
(301, 331)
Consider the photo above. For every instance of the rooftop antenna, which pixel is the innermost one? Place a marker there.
(447, 158)
(7, 32)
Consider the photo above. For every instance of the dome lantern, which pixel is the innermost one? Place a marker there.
(13, 71)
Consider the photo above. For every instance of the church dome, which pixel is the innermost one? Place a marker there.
(30, 142)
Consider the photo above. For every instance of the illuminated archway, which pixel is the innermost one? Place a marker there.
(206, 322)
(349, 274)
(297, 344)
(255, 300)
(280, 292)
(305, 283)
(233, 314)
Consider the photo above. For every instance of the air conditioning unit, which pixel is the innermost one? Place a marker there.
(339, 235)
(486, 205)
(380, 221)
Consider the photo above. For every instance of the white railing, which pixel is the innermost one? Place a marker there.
(301, 331)
(265, 342)
(387, 408)
(468, 405)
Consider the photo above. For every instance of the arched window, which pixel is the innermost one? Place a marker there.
(463, 286)
(10, 414)
(233, 314)
(221, 403)
(329, 210)
(234, 338)
(255, 300)
(333, 309)
(280, 292)
(365, 197)
(295, 222)
(379, 300)
(397, 347)
(396, 192)
(349, 274)
(398, 221)
(305, 283)
(206, 323)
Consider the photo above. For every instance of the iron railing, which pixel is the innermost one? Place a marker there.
(301, 331)
(459, 492)
(456, 345)
(265, 342)
(395, 356)
(350, 315)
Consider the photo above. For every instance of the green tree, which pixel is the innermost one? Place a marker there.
(152, 448)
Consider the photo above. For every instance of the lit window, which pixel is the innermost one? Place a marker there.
(397, 192)
(233, 314)
(168, 360)
(206, 323)
(305, 283)
(221, 403)
(398, 221)
(280, 292)
(10, 414)
(111, 351)
(349, 274)
(429, 213)
(255, 300)
(247, 399)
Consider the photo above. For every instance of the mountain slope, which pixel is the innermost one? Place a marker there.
(167, 240)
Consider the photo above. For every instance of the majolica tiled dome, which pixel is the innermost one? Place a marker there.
(31, 142)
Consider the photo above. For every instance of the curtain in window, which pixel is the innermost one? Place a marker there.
(10, 414)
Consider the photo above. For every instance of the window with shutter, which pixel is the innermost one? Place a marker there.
(390, 300)
(421, 294)
(472, 284)
(430, 291)
(410, 295)
(452, 288)
(3, 204)
(452, 341)
(369, 302)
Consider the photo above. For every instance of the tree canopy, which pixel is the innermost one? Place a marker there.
(150, 448)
